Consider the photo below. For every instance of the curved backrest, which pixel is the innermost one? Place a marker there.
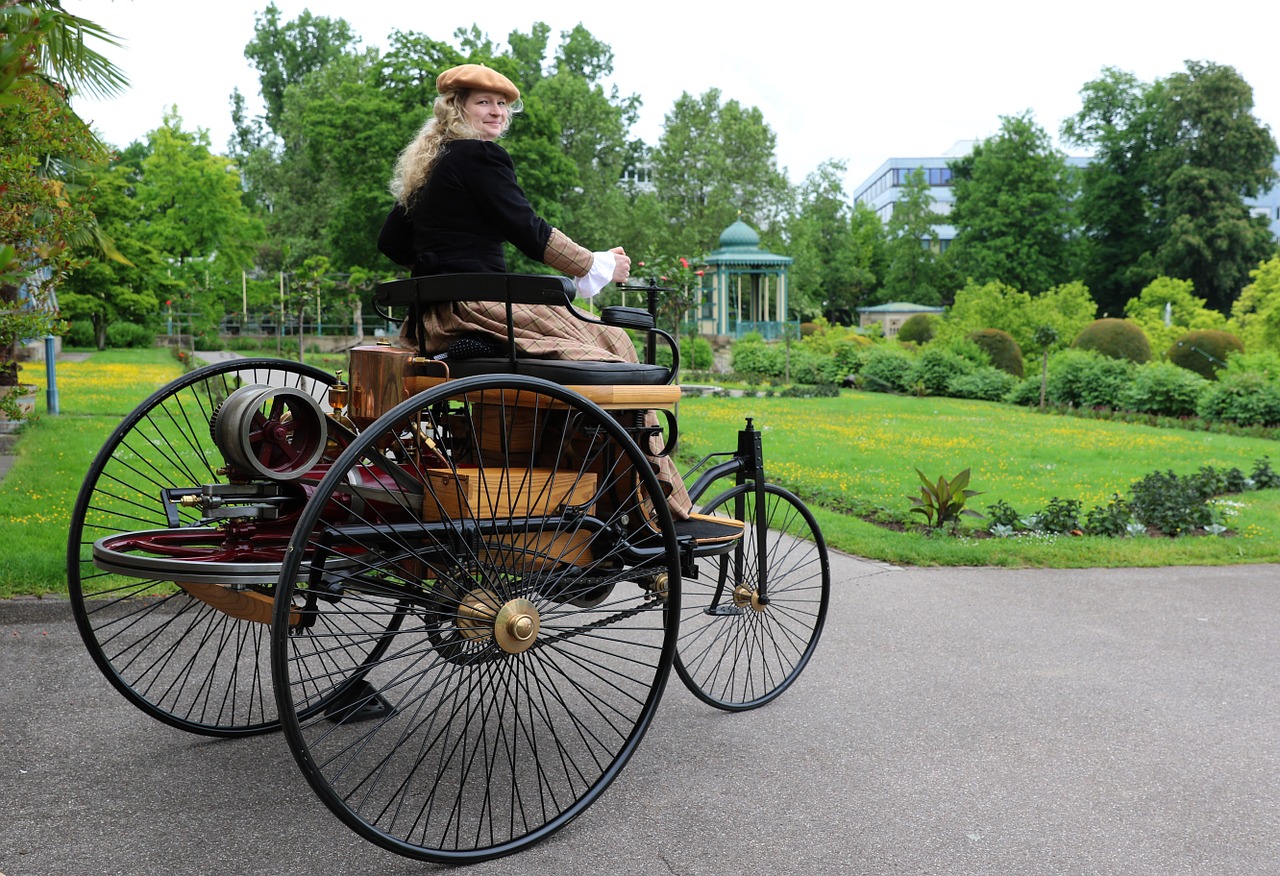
(536, 290)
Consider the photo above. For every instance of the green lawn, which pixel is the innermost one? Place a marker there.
(860, 448)
(864, 447)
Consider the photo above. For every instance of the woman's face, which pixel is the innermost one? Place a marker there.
(487, 112)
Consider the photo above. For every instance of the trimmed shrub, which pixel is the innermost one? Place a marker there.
(1025, 393)
(821, 390)
(809, 367)
(205, 341)
(128, 334)
(1170, 503)
(751, 355)
(917, 329)
(1001, 348)
(1242, 397)
(694, 356)
(936, 367)
(1083, 379)
(887, 369)
(1197, 350)
(985, 383)
(1115, 339)
(79, 334)
(1164, 389)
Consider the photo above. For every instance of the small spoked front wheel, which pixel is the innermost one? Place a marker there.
(520, 533)
(738, 651)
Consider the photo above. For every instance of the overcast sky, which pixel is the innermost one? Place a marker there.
(856, 82)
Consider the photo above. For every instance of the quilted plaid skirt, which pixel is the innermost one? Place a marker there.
(550, 333)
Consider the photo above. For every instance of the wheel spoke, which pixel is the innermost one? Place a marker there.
(739, 654)
(179, 659)
(486, 741)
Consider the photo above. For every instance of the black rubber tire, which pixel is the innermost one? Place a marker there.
(736, 656)
(473, 737)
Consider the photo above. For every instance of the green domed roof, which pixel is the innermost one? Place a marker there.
(739, 234)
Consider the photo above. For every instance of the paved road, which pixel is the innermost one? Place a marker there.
(954, 721)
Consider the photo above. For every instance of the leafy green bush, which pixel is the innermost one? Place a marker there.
(1171, 503)
(1215, 482)
(985, 383)
(1241, 397)
(887, 369)
(1263, 476)
(1115, 339)
(1060, 515)
(209, 341)
(938, 366)
(801, 390)
(1111, 519)
(751, 355)
(808, 366)
(79, 334)
(1001, 513)
(1086, 379)
(1205, 352)
(917, 329)
(695, 355)
(1025, 393)
(1001, 348)
(128, 334)
(1165, 389)
(1266, 363)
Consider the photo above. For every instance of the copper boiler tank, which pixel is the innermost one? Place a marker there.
(377, 380)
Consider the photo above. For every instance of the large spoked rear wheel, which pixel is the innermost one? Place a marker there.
(736, 651)
(194, 655)
(505, 519)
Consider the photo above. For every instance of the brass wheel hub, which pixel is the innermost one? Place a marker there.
(476, 614)
(517, 625)
(744, 596)
(514, 626)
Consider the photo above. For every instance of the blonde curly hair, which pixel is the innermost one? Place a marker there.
(448, 122)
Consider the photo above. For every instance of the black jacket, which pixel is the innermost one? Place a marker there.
(458, 221)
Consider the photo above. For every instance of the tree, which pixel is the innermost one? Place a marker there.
(1211, 238)
(310, 284)
(713, 164)
(1255, 316)
(593, 127)
(1044, 337)
(1176, 159)
(130, 288)
(838, 252)
(913, 272)
(347, 132)
(44, 53)
(1066, 309)
(285, 53)
(1115, 203)
(189, 200)
(1012, 209)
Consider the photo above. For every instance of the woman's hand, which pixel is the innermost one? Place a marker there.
(621, 265)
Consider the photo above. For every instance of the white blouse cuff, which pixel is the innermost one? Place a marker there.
(598, 277)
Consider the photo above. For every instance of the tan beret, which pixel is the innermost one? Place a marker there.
(477, 77)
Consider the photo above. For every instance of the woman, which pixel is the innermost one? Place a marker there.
(457, 201)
